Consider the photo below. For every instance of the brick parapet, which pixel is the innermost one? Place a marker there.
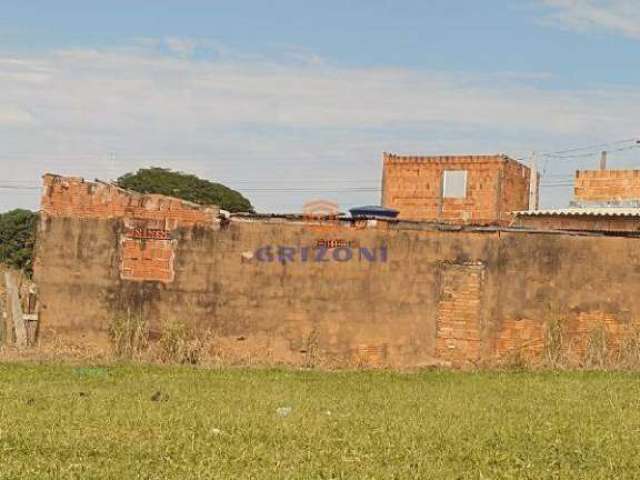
(75, 197)
(607, 185)
(390, 158)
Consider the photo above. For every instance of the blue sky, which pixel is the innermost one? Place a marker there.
(290, 101)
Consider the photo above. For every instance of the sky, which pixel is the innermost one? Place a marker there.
(290, 101)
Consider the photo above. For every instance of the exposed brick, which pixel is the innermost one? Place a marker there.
(146, 245)
(496, 185)
(524, 337)
(528, 337)
(607, 185)
(458, 336)
(74, 197)
(581, 328)
(147, 260)
(371, 355)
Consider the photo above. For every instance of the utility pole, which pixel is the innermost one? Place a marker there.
(603, 160)
(534, 183)
(112, 161)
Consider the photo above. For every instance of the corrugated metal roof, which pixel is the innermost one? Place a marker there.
(596, 212)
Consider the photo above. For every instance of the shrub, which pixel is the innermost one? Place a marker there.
(179, 344)
(185, 186)
(17, 239)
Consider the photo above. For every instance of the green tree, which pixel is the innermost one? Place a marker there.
(185, 186)
(17, 238)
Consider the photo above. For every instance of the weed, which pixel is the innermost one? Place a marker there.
(628, 354)
(515, 360)
(311, 349)
(179, 344)
(555, 351)
(597, 350)
(129, 334)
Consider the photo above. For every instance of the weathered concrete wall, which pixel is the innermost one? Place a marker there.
(496, 185)
(594, 223)
(459, 297)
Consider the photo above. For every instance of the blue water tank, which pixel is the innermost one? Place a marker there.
(373, 211)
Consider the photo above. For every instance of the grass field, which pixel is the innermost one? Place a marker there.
(181, 423)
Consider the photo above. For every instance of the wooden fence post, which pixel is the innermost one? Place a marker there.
(15, 310)
(3, 321)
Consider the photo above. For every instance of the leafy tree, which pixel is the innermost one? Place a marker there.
(185, 186)
(17, 238)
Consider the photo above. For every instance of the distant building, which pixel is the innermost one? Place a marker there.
(604, 200)
(470, 189)
(607, 188)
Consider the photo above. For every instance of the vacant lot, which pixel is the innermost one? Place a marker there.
(152, 422)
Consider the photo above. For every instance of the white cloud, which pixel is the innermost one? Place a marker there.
(121, 90)
(182, 46)
(249, 119)
(619, 16)
(11, 116)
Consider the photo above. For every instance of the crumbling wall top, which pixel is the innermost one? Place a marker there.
(76, 197)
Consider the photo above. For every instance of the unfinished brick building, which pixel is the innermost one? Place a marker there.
(604, 201)
(607, 188)
(470, 189)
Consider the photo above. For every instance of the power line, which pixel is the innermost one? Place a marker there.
(589, 147)
(18, 187)
(593, 154)
(318, 185)
(284, 189)
(311, 189)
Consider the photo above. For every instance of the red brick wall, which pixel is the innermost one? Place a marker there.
(458, 334)
(576, 335)
(523, 337)
(147, 260)
(496, 185)
(607, 185)
(74, 197)
(146, 243)
(515, 188)
(582, 329)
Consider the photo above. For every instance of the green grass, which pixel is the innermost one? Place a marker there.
(92, 423)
